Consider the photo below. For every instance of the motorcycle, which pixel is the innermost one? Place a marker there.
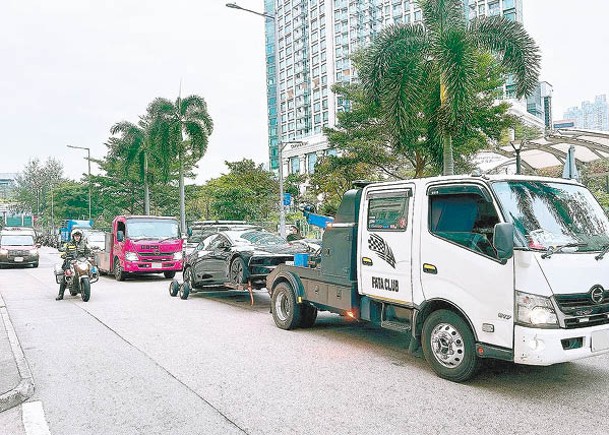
(78, 277)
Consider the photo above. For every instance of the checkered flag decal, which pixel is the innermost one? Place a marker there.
(378, 245)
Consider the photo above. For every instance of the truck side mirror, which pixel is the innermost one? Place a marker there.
(120, 236)
(503, 240)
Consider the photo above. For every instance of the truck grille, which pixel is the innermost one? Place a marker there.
(581, 311)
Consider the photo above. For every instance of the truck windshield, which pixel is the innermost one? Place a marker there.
(548, 214)
(152, 229)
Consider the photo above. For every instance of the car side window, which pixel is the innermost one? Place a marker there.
(467, 219)
(217, 242)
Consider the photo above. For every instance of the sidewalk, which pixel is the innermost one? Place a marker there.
(16, 382)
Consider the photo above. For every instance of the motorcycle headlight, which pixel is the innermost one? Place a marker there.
(178, 255)
(131, 256)
(82, 266)
(536, 311)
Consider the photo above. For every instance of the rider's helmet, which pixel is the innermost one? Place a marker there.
(76, 231)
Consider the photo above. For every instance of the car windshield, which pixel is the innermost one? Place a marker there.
(548, 214)
(262, 238)
(152, 229)
(17, 240)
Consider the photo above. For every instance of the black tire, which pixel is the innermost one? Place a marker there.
(308, 315)
(286, 312)
(184, 290)
(237, 272)
(449, 346)
(169, 275)
(85, 289)
(174, 287)
(189, 277)
(119, 275)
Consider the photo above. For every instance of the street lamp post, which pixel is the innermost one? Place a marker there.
(517, 146)
(89, 178)
(280, 144)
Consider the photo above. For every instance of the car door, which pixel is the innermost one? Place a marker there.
(201, 262)
(216, 262)
(459, 263)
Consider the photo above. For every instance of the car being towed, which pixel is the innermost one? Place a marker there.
(234, 258)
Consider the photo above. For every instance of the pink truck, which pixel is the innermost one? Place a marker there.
(142, 244)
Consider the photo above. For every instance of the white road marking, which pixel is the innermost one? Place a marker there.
(34, 420)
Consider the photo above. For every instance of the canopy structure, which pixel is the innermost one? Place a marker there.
(553, 149)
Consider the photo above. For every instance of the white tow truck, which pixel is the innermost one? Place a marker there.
(507, 267)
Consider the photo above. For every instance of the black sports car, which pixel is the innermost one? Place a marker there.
(235, 258)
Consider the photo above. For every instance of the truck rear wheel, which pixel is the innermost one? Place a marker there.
(449, 346)
(286, 312)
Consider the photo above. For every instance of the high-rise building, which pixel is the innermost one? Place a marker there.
(314, 40)
(591, 115)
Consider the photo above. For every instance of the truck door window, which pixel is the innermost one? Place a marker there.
(467, 219)
(388, 211)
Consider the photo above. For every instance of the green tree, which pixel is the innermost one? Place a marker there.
(34, 182)
(134, 145)
(247, 192)
(180, 131)
(428, 70)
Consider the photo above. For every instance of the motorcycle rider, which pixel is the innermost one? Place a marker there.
(73, 248)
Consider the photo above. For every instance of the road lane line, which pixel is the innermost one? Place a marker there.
(34, 420)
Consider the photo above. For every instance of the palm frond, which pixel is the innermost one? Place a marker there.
(516, 49)
(442, 15)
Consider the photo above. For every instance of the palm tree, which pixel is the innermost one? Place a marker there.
(181, 131)
(134, 145)
(413, 68)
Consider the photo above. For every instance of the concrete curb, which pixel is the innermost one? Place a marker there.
(25, 388)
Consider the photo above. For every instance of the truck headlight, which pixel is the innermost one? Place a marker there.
(534, 310)
(178, 255)
(131, 256)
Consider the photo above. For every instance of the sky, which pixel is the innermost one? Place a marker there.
(70, 69)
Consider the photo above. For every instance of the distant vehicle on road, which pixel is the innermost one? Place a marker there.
(95, 239)
(18, 248)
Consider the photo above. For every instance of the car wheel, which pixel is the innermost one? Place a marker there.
(169, 275)
(237, 271)
(449, 346)
(189, 277)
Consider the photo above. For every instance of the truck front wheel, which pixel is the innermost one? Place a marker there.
(449, 346)
(118, 270)
(286, 312)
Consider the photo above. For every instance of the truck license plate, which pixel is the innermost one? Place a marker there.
(157, 265)
(18, 259)
(600, 340)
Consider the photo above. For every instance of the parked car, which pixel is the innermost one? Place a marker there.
(234, 258)
(18, 248)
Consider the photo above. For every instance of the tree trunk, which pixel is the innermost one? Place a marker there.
(447, 155)
(146, 188)
(182, 200)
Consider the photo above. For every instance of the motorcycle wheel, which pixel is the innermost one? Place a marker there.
(73, 289)
(85, 289)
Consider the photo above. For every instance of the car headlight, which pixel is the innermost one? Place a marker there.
(536, 311)
(3, 251)
(178, 255)
(34, 252)
(131, 256)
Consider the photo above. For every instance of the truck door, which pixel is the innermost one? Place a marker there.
(385, 244)
(459, 263)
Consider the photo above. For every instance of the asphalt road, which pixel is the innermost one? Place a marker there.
(134, 360)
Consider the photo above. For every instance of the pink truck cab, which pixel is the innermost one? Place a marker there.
(142, 244)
